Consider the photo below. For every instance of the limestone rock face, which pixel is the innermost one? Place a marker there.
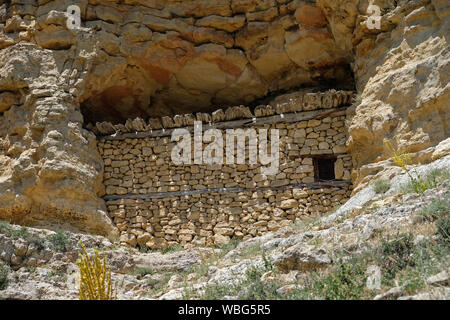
(50, 171)
(141, 58)
(133, 59)
(402, 77)
(303, 258)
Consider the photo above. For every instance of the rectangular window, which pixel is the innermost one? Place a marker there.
(324, 169)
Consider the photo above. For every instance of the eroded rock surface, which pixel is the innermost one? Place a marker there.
(134, 59)
(50, 170)
(402, 77)
(141, 58)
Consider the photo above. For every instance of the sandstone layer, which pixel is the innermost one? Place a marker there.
(50, 170)
(402, 77)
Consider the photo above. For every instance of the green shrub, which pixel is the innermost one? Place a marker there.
(4, 271)
(249, 288)
(255, 289)
(37, 241)
(60, 241)
(347, 280)
(22, 233)
(143, 248)
(57, 275)
(398, 258)
(430, 257)
(231, 245)
(217, 291)
(443, 229)
(251, 251)
(437, 208)
(158, 286)
(142, 271)
(381, 186)
(395, 255)
(5, 227)
(430, 180)
(436, 176)
(30, 269)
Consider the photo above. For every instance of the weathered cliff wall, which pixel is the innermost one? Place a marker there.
(129, 59)
(49, 165)
(146, 58)
(402, 77)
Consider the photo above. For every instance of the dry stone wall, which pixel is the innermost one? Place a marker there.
(214, 217)
(155, 203)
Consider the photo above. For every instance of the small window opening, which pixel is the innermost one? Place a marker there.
(324, 169)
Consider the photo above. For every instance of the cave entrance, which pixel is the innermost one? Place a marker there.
(115, 104)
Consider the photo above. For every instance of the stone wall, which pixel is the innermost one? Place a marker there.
(156, 203)
(214, 217)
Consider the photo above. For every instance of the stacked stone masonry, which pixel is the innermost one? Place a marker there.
(287, 103)
(157, 204)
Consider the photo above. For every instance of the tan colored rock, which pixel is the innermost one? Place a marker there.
(310, 16)
(339, 169)
(287, 204)
(62, 182)
(299, 193)
(221, 239)
(441, 150)
(142, 59)
(229, 24)
(129, 239)
(7, 99)
(412, 103)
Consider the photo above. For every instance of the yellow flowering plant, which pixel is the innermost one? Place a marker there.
(95, 277)
(403, 160)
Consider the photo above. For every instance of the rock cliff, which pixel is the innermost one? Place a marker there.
(142, 58)
(402, 76)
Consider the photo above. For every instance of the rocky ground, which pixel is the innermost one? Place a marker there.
(385, 227)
